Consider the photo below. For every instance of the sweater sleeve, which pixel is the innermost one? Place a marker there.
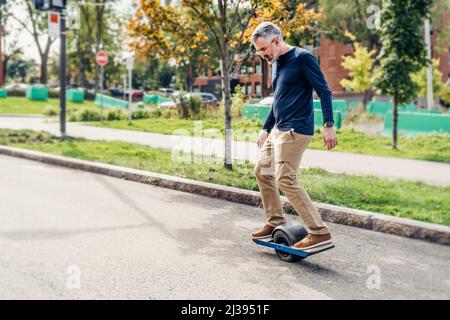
(317, 80)
(270, 121)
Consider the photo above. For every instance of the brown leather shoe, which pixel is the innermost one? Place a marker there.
(314, 242)
(265, 232)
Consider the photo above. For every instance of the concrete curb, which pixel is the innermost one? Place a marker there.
(330, 213)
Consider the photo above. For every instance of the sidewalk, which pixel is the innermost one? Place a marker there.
(338, 162)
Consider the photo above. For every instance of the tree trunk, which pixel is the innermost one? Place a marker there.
(44, 61)
(227, 99)
(368, 94)
(2, 73)
(394, 124)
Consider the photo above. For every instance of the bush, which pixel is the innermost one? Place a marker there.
(25, 136)
(73, 117)
(156, 114)
(89, 115)
(114, 115)
(238, 100)
(189, 105)
(140, 114)
(445, 98)
(53, 94)
(51, 111)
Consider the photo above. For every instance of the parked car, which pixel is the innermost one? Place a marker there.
(136, 95)
(16, 86)
(167, 105)
(116, 92)
(209, 98)
(166, 92)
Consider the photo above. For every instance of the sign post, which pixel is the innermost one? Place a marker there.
(101, 58)
(130, 74)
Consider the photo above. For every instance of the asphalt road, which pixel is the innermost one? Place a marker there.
(67, 234)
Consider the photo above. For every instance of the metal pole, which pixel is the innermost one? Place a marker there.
(2, 80)
(101, 93)
(124, 87)
(62, 76)
(129, 93)
(430, 66)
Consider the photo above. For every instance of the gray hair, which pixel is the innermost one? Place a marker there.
(266, 30)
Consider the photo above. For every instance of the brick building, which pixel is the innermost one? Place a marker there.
(329, 54)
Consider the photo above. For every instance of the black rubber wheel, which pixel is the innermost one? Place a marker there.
(281, 238)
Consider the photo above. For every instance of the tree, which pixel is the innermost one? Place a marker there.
(403, 51)
(420, 78)
(99, 29)
(36, 24)
(217, 31)
(298, 24)
(359, 66)
(10, 37)
(161, 31)
(358, 18)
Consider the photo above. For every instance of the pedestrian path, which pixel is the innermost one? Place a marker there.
(337, 162)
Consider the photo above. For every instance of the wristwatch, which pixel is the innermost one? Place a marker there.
(328, 124)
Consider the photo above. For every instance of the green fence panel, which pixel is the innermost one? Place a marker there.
(429, 111)
(75, 95)
(256, 111)
(110, 102)
(37, 93)
(413, 123)
(381, 108)
(318, 118)
(155, 99)
(259, 112)
(338, 105)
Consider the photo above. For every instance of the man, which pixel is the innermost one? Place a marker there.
(295, 73)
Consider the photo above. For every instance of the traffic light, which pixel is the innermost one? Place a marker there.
(42, 5)
(58, 4)
(46, 5)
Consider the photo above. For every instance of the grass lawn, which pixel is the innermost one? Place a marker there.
(22, 106)
(435, 147)
(415, 200)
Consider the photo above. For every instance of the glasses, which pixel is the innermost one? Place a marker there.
(262, 50)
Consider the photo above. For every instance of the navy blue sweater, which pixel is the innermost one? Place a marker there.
(294, 75)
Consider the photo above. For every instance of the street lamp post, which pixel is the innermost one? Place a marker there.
(2, 80)
(62, 77)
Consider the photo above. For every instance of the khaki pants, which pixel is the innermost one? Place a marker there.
(278, 163)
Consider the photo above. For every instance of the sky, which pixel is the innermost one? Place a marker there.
(26, 40)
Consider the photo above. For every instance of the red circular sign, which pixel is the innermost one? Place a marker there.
(101, 58)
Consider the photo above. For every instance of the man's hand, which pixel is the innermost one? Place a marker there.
(261, 138)
(329, 138)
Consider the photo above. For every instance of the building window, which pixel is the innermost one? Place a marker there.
(248, 89)
(258, 88)
(258, 67)
(243, 69)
